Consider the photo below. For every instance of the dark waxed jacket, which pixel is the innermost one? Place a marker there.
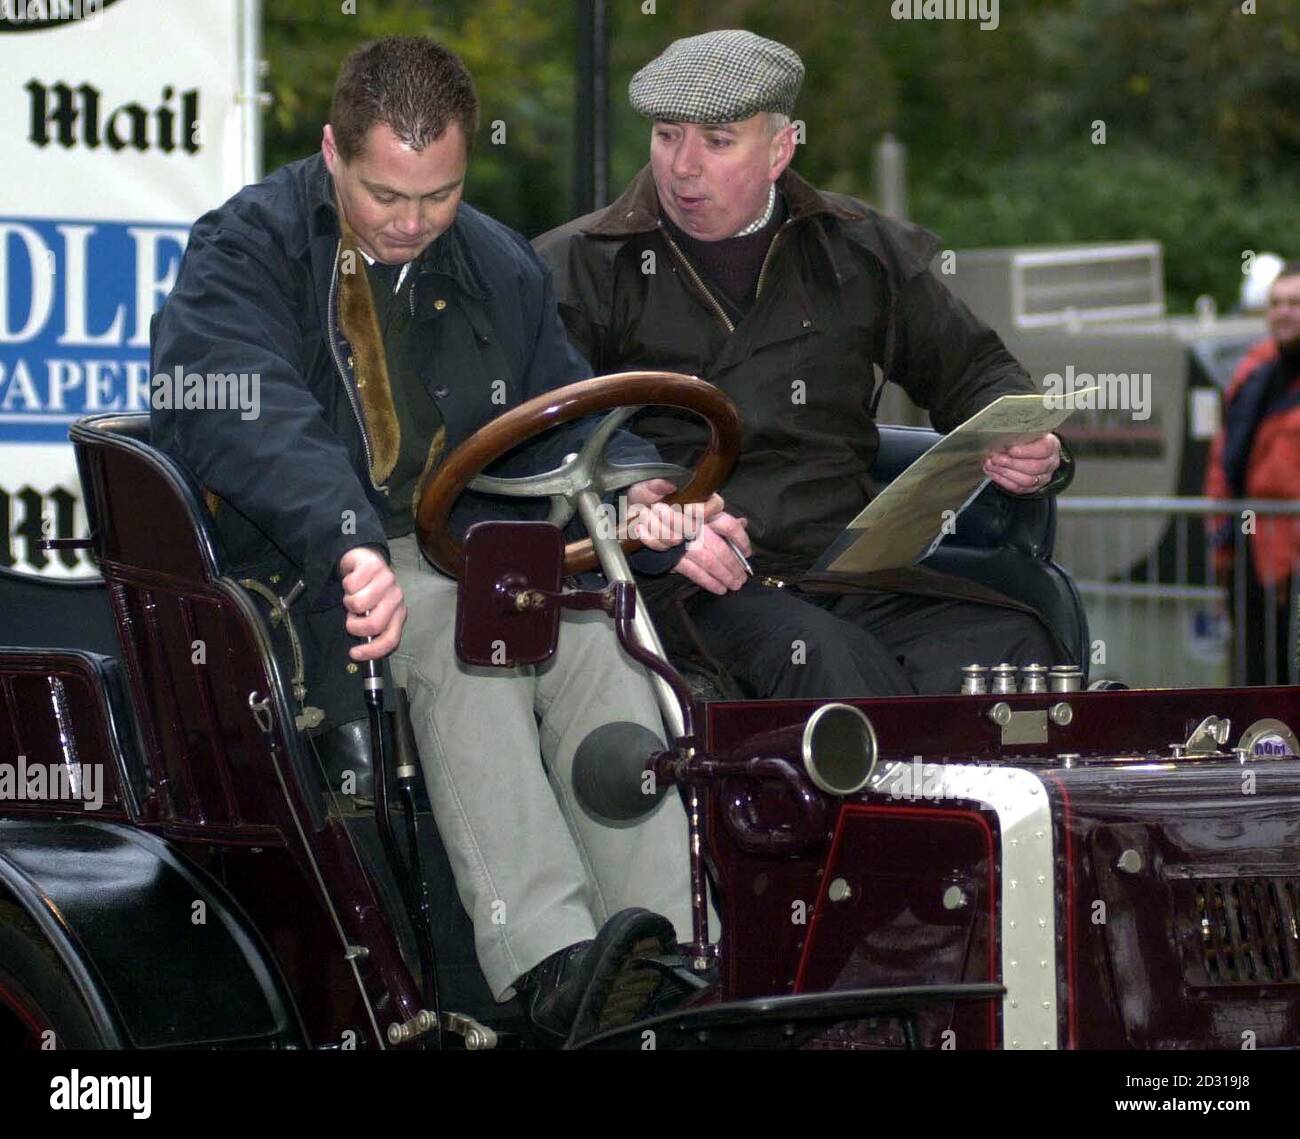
(256, 293)
(843, 289)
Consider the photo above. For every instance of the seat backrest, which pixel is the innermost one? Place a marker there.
(121, 426)
(1001, 541)
(224, 760)
(196, 650)
(145, 511)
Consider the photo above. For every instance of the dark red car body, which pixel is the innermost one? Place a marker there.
(1095, 888)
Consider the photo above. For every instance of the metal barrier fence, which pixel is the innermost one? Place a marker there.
(1158, 614)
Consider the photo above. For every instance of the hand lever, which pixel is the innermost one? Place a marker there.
(410, 879)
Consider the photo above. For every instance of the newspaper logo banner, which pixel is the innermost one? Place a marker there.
(121, 124)
(76, 299)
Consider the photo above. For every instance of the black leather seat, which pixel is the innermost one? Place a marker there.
(125, 426)
(50, 613)
(1001, 541)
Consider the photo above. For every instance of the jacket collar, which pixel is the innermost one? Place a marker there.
(637, 209)
(449, 255)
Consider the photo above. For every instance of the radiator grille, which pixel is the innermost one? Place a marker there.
(1245, 930)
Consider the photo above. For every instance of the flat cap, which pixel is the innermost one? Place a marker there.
(719, 77)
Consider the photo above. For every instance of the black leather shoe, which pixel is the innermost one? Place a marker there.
(622, 985)
(552, 990)
(596, 985)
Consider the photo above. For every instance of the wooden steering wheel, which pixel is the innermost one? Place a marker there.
(587, 470)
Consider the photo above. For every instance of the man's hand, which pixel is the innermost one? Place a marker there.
(658, 526)
(1025, 467)
(373, 600)
(709, 561)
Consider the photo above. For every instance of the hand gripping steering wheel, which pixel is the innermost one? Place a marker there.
(587, 470)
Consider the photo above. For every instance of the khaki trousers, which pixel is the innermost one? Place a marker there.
(534, 871)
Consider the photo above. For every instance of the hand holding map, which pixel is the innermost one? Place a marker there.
(904, 523)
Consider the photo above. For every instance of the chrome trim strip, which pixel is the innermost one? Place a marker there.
(1027, 933)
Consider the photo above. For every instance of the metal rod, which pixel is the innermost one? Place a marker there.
(410, 889)
(250, 81)
(591, 108)
(423, 935)
(614, 562)
(1154, 504)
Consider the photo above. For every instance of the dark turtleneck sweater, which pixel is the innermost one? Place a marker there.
(731, 267)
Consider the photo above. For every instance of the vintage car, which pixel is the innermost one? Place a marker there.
(1025, 865)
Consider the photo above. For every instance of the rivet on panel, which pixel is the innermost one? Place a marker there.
(1130, 861)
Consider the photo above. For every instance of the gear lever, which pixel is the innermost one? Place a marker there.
(410, 880)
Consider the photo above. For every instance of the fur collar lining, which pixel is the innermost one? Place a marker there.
(360, 326)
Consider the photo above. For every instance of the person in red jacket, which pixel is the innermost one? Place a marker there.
(1256, 454)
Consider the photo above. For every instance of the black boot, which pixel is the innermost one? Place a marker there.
(552, 990)
(597, 985)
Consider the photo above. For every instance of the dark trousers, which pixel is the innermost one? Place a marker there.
(784, 643)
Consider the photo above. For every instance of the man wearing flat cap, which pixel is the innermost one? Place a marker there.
(720, 261)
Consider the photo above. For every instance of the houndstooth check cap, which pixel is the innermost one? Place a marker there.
(719, 77)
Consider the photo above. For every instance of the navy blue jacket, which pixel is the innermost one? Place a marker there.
(256, 294)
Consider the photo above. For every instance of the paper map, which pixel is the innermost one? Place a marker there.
(905, 521)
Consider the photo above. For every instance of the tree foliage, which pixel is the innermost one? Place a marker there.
(1202, 127)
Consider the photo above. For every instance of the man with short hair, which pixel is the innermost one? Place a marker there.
(386, 320)
(719, 260)
(1256, 454)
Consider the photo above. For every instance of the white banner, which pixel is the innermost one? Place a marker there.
(121, 121)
